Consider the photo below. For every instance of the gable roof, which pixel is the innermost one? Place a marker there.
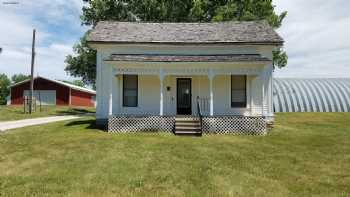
(75, 87)
(249, 32)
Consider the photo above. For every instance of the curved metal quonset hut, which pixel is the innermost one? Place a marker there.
(311, 95)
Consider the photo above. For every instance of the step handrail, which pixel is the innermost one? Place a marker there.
(199, 114)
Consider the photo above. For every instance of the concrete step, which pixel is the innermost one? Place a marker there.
(187, 128)
(197, 123)
(187, 123)
(187, 119)
(188, 133)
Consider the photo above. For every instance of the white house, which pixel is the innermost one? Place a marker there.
(162, 73)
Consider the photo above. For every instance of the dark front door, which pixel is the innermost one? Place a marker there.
(184, 96)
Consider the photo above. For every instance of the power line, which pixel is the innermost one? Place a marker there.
(10, 2)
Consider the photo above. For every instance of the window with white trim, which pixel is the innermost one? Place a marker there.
(238, 91)
(130, 90)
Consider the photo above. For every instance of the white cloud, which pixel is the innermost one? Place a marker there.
(49, 61)
(316, 34)
(58, 28)
(16, 30)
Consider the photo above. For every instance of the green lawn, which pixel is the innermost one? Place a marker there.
(304, 155)
(8, 113)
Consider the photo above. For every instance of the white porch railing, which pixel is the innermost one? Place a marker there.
(204, 104)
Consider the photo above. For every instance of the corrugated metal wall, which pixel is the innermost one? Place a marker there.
(311, 95)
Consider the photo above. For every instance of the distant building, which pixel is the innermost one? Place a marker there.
(8, 100)
(52, 92)
(311, 95)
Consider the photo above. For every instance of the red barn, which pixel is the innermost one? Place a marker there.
(53, 92)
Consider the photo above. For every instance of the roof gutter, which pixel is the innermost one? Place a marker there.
(188, 43)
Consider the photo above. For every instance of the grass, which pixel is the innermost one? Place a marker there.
(304, 155)
(8, 113)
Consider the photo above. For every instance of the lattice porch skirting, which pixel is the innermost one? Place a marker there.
(210, 124)
(234, 125)
(122, 124)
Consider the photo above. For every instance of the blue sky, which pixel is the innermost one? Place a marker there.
(58, 27)
(316, 34)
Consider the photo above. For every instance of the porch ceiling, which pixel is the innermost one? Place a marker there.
(187, 58)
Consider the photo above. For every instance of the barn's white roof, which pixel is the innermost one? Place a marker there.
(75, 87)
(311, 95)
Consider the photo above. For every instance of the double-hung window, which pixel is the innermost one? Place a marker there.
(238, 91)
(130, 90)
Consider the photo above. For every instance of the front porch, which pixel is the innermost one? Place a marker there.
(228, 96)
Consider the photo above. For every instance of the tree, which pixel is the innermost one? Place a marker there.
(280, 58)
(19, 77)
(79, 83)
(75, 82)
(4, 88)
(84, 63)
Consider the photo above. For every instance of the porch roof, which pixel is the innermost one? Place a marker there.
(187, 58)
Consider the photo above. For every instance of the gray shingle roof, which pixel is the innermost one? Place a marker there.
(187, 58)
(252, 32)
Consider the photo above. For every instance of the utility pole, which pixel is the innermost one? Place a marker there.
(32, 75)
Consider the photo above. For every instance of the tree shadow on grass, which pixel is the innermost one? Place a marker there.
(76, 111)
(90, 124)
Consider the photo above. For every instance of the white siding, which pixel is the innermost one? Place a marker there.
(148, 95)
(149, 85)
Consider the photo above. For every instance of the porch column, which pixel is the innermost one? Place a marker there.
(263, 99)
(161, 100)
(211, 77)
(110, 91)
(251, 95)
(115, 94)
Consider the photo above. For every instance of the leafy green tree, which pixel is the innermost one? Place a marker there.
(19, 77)
(4, 88)
(83, 64)
(280, 58)
(79, 83)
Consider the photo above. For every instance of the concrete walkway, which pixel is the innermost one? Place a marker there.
(30, 122)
